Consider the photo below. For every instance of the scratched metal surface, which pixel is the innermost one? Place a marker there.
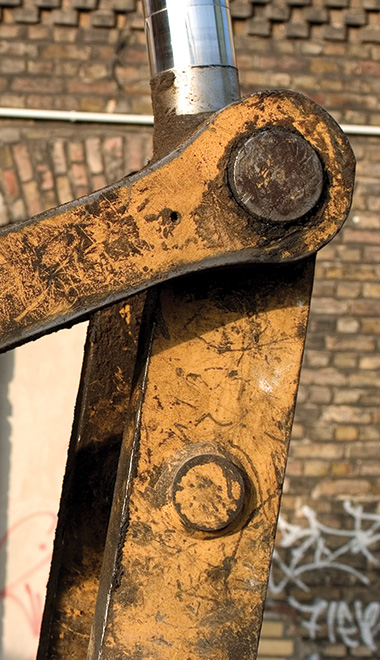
(175, 217)
(100, 414)
(221, 382)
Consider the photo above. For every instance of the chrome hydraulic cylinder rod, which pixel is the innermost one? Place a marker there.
(191, 41)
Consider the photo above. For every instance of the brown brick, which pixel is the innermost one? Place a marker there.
(346, 433)
(26, 15)
(40, 32)
(259, 27)
(329, 306)
(40, 67)
(93, 155)
(97, 35)
(314, 468)
(342, 469)
(353, 272)
(76, 152)
(65, 17)
(319, 394)
(277, 12)
(336, 4)
(6, 158)
(297, 30)
(32, 197)
(98, 181)
(103, 18)
(48, 4)
(335, 651)
(46, 177)
(94, 71)
(370, 362)
(364, 450)
(8, 31)
(11, 183)
(92, 87)
(85, 4)
(369, 468)
(349, 289)
(55, 51)
(92, 104)
(18, 210)
(24, 165)
(18, 48)
(41, 84)
(348, 325)
(66, 34)
(364, 379)
(64, 190)
(66, 68)
(369, 433)
(355, 18)
(79, 177)
(371, 325)
(49, 200)
(316, 15)
(134, 153)
(12, 65)
(371, 290)
(372, 254)
(59, 158)
(323, 66)
(294, 468)
(272, 629)
(345, 360)
(371, 35)
(10, 3)
(122, 5)
(311, 450)
(326, 376)
(276, 647)
(241, 9)
(362, 652)
(346, 414)
(347, 396)
(335, 32)
(343, 488)
(371, 4)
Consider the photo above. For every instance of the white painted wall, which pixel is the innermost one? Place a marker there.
(38, 387)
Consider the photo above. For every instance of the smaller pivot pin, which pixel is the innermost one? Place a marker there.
(208, 492)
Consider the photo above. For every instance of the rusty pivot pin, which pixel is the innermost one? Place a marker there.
(276, 175)
(208, 492)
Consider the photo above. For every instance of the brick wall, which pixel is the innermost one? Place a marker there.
(88, 55)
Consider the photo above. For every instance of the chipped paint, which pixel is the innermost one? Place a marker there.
(175, 217)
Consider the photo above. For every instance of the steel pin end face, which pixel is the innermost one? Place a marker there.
(276, 175)
(208, 493)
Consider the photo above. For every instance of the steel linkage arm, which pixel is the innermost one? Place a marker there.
(266, 180)
(211, 375)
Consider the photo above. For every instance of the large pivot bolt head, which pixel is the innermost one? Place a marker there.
(208, 492)
(277, 175)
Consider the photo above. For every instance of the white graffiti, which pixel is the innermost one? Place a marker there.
(317, 547)
(352, 625)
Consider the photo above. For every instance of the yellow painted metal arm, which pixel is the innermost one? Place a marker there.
(178, 216)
